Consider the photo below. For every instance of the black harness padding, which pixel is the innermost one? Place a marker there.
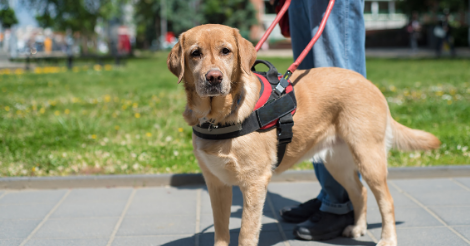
(278, 106)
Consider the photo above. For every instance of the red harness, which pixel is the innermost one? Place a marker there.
(265, 94)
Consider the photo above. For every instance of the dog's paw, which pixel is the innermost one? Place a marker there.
(354, 231)
(383, 242)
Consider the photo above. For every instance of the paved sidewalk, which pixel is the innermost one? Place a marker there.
(428, 212)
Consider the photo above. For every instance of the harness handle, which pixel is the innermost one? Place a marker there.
(272, 74)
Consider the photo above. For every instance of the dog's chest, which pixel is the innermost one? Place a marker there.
(224, 167)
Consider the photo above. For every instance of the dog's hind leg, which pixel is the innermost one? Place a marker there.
(371, 160)
(340, 164)
(254, 195)
(221, 201)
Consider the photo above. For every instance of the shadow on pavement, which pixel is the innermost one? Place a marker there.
(267, 237)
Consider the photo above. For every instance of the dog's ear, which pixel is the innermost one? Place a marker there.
(246, 52)
(175, 61)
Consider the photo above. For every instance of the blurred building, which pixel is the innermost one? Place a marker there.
(378, 15)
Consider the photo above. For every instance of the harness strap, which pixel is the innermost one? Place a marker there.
(208, 131)
(284, 136)
(257, 119)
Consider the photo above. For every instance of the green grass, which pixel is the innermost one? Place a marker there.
(128, 120)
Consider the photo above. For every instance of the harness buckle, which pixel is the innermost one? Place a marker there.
(284, 132)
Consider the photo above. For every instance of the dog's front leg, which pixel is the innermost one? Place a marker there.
(254, 196)
(221, 201)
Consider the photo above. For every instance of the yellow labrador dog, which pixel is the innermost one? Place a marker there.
(341, 117)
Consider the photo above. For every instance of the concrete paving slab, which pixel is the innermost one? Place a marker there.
(362, 241)
(266, 238)
(165, 207)
(157, 225)
(166, 193)
(464, 181)
(291, 194)
(453, 215)
(33, 196)
(409, 217)
(206, 206)
(180, 240)
(171, 216)
(269, 223)
(25, 211)
(98, 195)
(10, 242)
(463, 230)
(10, 229)
(68, 242)
(447, 198)
(419, 186)
(237, 202)
(77, 228)
(429, 236)
(91, 209)
(399, 199)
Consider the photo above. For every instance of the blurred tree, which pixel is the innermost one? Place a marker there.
(182, 15)
(240, 14)
(78, 15)
(148, 17)
(8, 17)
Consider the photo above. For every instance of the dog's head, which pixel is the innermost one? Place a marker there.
(210, 59)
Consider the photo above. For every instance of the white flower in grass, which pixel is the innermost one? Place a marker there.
(135, 166)
(168, 139)
(175, 153)
(446, 97)
(124, 167)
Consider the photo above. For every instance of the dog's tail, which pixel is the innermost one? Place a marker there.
(405, 138)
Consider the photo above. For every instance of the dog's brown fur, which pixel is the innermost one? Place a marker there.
(341, 117)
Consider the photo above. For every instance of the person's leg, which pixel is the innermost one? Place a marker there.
(299, 24)
(342, 44)
(339, 46)
(333, 196)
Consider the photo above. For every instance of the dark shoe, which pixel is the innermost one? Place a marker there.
(323, 226)
(300, 213)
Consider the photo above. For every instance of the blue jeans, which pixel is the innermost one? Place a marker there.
(342, 44)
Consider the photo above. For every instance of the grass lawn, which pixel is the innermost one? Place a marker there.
(128, 120)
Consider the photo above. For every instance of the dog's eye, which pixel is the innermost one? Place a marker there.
(196, 53)
(225, 51)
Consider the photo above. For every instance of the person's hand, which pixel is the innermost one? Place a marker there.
(271, 2)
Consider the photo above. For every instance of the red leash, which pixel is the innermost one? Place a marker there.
(304, 53)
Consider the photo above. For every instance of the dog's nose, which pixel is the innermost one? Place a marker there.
(214, 77)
